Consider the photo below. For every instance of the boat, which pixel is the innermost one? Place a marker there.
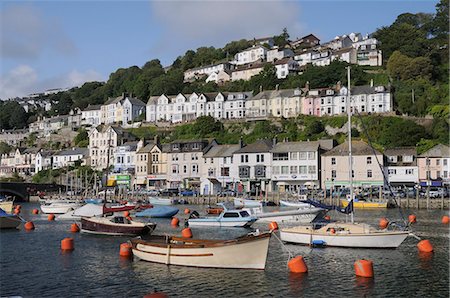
(214, 210)
(362, 204)
(160, 201)
(87, 210)
(158, 212)
(246, 252)
(228, 218)
(6, 203)
(60, 206)
(115, 226)
(244, 203)
(298, 204)
(118, 208)
(9, 221)
(343, 234)
(93, 201)
(301, 215)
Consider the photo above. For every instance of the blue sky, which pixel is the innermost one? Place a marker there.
(50, 44)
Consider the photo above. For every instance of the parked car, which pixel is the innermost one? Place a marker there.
(108, 192)
(227, 193)
(170, 192)
(188, 193)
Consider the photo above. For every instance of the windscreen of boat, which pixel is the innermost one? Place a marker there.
(244, 213)
(231, 214)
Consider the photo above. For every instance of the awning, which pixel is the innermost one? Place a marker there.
(214, 180)
(281, 183)
(431, 183)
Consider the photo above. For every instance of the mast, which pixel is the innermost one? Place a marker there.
(350, 159)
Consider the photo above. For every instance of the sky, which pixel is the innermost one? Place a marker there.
(59, 44)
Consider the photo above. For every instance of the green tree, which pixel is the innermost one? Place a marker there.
(81, 139)
(4, 148)
(12, 115)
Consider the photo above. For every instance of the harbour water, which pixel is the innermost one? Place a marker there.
(32, 265)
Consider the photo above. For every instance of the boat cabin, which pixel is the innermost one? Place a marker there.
(235, 214)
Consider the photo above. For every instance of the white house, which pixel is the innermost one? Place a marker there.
(194, 73)
(91, 115)
(125, 156)
(68, 157)
(218, 171)
(256, 53)
(278, 54)
(369, 54)
(235, 103)
(401, 166)
(122, 109)
(219, 77)
(285, 67)
(43, 161)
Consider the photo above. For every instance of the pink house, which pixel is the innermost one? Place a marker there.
(311, 105)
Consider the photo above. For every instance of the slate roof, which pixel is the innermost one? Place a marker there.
(259, 146)
(147, 148)
(366, 89)
(73, 151)
(439, 150)
(221, 151)
(358, 148)
(401, 151)
(276, 93)
(295, 147)
(92, 108)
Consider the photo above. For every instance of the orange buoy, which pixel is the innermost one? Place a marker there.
(175, 221)
(16, 211)
(129, 218)
(187, 211)
(273, 226)
(425, 246)
(125, 250)
(74, 228)
(186, 233)
(364, 268)
(297, 265)
(412, 218)
(156, 295)
(383, 223)
(327, 217)
(332, 231)
(67, 244)
(35, 211)
(445, 220)
(29, 225)
(126, 213)
(51, 217)
(18, 207)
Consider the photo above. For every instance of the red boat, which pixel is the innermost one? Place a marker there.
(115, 226)
(119, 208)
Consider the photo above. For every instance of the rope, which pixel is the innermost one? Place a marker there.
(381, 167)
(291, 255)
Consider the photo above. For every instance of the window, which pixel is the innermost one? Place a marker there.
(231, 214)
(242, 158)
(353, 173)
(302, 155)
(312, 169)
(369, 173)
(303, 169)
(445, 174)
(428, 162)
(445, 162)
(244, 171)
(174, 169)
(225, 172)
(333, 160)
(281, 156)
(294, 170)
(369, 160)
(246, 158)
(293, 155)
(284, 170)
(184, 169)
(438, 161)
(333, 174)
(244, 214)
(438, 174)
(428, 175)
(262, 157)
(260, 171)
(276, 170)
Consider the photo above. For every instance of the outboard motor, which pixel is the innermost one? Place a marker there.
(194, 214)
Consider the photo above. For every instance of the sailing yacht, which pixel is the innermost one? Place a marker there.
(343, 234)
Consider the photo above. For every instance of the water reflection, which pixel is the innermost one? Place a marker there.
(364, 286)
(426, 259)
(298, 282)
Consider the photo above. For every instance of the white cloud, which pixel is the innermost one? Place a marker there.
(190, 24)
(23, 80)
(26, 33)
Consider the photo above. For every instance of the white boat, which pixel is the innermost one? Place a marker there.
(353, 235)
(246, 203)
(160, 201)
(247, 252)
(7, 204)
(301, 215)
(228, 218)
(60, 206)
(9, 221)
(293, 204)
(87, 210)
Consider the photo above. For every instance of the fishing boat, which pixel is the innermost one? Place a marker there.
(160, 201)
(246, 252)
(244, 203)
(158, 212)
(228, 218)
(304, 214)
(60, 206)
(115, 226)
(6, 203)
(343, 234)
(362, 204)
(9, 221)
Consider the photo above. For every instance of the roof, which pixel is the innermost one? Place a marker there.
(112, 100)
(250, 66)
(153, 99)
(92, 108)
(358, 148)
(283, 61)
(439, 150)
(73, 151)
(401, 151)
(366, 89)
(277, 93)
(256, 147)
(295, 147)
(131, 144)
(147, 148)
(136, 101)
(221, 151)
(46, 153)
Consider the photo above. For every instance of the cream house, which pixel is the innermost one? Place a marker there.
(122, 109)
(366, 171)
(434, 166)
(245, 72)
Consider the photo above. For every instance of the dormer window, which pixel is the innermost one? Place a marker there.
(176, 147)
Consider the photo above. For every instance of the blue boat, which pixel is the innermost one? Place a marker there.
(93, 201)
(9, 221)
(159, 212)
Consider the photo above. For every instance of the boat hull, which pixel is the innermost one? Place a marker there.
(243, 203)
(293, 204)
(365, 205)
(301, 215)
(246, 255)
(7, 206)
(99, 228)
(57, 208)
(214, 222)
(10, 222)
(372, 240)
(160, 201)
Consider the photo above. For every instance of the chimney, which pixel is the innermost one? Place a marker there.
(260, 88)
(241, 143)
(277, 86)
(371, 82)
(156, 139)
(307, 85)
(338, 86)
(274, 141)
